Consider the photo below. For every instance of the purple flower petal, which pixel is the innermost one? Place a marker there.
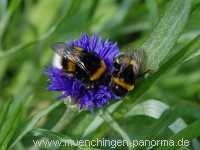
(105, 49)
(70, 86)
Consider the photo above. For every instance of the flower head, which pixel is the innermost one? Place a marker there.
(71, 86)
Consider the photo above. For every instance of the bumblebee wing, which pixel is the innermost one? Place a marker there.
(137, 55)
(59, 48)
(69, 52)
(64, 50)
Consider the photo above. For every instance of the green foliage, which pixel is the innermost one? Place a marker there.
(165, 103)
(164, 36)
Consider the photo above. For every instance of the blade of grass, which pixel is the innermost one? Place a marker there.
(120, 14)
(70, 113)
(92, 10)
(189, 133)
(116, 127)
(66, 140)
(5, 142)
(136, 27)
(153, 11)
(13, 118)
(12, 128)
(174, 112)
(30, 125)
(44, 36)
(5, 20)
(188, 36)
(3, 7)
(97, 121)
(160, 126)
(195, 144)
(194, 55)
(178, 125)
(152, 108)
(164, 36)
(4, 112)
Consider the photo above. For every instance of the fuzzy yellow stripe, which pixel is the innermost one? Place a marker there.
(123, 84)
(78, 49)
(99, 71)
(71, 66)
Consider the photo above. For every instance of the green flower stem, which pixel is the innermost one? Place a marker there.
(70, 113)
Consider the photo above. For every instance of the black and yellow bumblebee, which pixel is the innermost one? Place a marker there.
(92, 71)
(126, 71)
(87, 67)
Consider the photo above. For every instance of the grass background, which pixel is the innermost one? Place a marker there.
(165, 104)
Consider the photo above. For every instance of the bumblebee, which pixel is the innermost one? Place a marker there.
(87, 67)
(126, 71)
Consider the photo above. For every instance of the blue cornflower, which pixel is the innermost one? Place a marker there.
(70, 86)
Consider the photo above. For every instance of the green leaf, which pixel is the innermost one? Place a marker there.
(153, 11)
(70, 113)
(162, 124)
(56, 136)
(93, 8)
(10, 129)
(30, 125)
(152, 108)
(44, 36)
(9, 126)
(12, 117)
(194, 55)
(4, 112)
(115, 126)
(189, 133)
(178, 125)
(3, 7)
(98, 121)
(52, 135)
(195, 144)
(119, 16)
(165, 34)
(136, 27)
(169, 118)
(93, 126)
(188, 36)
(192, 131)
(5, 19)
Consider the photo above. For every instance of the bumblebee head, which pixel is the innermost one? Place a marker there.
(127, 60)
(122, 58)
(121, 63)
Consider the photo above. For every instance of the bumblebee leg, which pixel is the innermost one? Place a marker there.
(144, 73)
